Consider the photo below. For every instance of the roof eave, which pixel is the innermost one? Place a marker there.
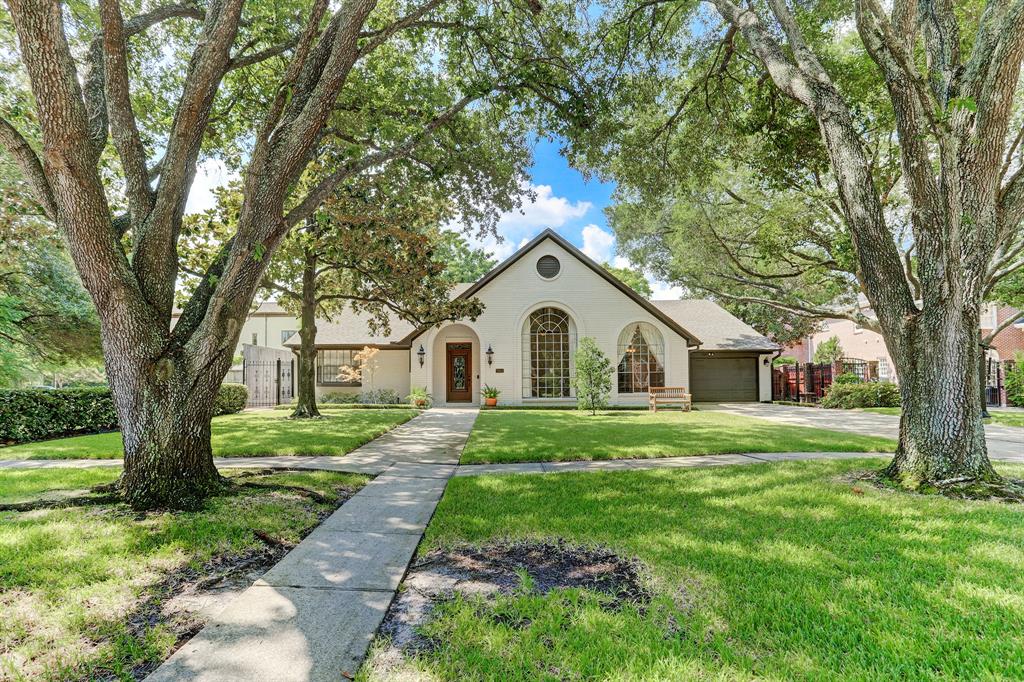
(548, 233)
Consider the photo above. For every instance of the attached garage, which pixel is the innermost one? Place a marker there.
(718, 378)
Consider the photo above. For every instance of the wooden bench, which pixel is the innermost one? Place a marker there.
(670, 395)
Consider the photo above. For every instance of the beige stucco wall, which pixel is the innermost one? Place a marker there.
(392, 372)
(265, 330)
(764, 379)
(597, 309)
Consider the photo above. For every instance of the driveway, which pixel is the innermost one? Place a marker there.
(1004, 442)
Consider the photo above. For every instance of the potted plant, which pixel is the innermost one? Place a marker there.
(419, 398)
(490, 395)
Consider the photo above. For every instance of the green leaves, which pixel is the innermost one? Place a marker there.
(967, 103)
(258, 251)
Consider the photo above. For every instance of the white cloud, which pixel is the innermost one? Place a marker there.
(598, 244)
(663, 291)
(210, 174)
(519, 226)
(545, 210)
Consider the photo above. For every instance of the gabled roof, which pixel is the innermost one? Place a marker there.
(586, 260)
(351, 329)
(719, 329)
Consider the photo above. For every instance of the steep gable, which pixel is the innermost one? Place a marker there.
(515, 263)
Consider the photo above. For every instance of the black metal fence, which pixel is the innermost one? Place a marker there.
(270, 382)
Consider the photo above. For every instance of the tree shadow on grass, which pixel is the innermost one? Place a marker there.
(805, 578)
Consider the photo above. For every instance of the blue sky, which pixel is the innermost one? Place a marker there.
(563, 201)
(569, 204)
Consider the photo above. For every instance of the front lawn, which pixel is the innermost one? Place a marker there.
(82, 588)
(247, 434)
(1001, 417)
(562, 435)
(770, 572)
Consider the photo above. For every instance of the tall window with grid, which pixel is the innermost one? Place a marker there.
(641, 359)
(548, 344)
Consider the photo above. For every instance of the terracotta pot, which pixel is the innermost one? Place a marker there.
(421, 403)
(490, 402)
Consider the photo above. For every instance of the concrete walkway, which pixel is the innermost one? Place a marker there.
(1004, 442)
(312, 616)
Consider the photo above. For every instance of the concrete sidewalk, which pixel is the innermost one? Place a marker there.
(312, 616)
(1005, 443)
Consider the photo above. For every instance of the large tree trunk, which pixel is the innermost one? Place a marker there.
(942, 437)
(306, 407)
(165, 426)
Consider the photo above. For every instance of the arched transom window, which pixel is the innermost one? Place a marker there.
(548, 342)
(641, 358)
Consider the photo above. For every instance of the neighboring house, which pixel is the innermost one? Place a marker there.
(864, 344)
(268, 326)
(1010, 340)
(538, 303)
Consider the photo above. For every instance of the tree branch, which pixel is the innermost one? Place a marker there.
(119, 107)
(815, 312)
(94, 80)
(1012, 319)
(28, 163)
(154, 258)
(325, 187)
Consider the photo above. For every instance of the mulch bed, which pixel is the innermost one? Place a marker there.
(188, 597)
(495, 568)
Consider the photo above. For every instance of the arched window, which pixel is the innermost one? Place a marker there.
(547, 348)
(641, 358)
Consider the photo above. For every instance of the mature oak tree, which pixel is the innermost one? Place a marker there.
(948, 91)
(257, 87)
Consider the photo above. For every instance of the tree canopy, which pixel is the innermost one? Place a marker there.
(828, 159)
(631, 277)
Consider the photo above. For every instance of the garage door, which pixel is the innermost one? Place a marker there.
(723, 380)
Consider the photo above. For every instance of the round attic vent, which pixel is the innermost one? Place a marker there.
(548, 267)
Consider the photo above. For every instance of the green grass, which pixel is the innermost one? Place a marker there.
(19, 485)
(558, 435)
(69, 578)
(770, 572)
(247, 434)
(1001, 417)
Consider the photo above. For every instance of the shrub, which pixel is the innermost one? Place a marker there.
(828, 352)
(230, 398)
(593, 380)
(380, 396)
(873, 394)
(419, 397)
(339, 398)
(846, 378)
(37, 414)
(1015, 382)
(783, 360)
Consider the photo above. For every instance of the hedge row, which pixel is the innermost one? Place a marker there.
(871, 394)
(37, 414)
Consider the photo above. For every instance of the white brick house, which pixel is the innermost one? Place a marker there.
(537, 304)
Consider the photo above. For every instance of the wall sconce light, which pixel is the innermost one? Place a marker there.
(490, 355)
(421, 354)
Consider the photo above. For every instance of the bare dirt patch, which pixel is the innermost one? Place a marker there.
(497, 569)
(187, 598)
